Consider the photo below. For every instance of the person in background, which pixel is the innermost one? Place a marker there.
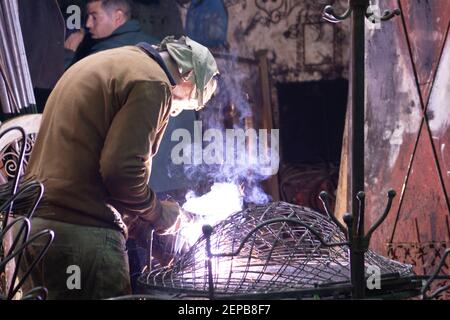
(109, 25)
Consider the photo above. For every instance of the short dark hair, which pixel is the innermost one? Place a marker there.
(124, 5)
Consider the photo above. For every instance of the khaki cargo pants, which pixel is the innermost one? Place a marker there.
(82, 263)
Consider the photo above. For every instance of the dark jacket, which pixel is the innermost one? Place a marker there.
(127, 34)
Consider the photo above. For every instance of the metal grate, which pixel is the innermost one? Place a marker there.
(266, 249)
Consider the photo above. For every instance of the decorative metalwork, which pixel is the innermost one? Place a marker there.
(22, 200)
(359, 241)
(271, 249)
(274, 11)
(330, 15)
(444, 287)
(27, 198)
(9, 156)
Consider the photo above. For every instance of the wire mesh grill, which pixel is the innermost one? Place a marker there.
(277, 256)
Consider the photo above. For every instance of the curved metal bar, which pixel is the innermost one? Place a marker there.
(348, 219)
(31, 212)
(13, 289)
(29, 216)
(17, 194)
(433, 277)
(150, 253)
(361, 196)
(295, 221)
(389, 14)
(391, 194)
(26, 226)
(439, 291)
(33, 238)
(38, 198)
(10, 225)
(19, 168)
(329, 14)
(38, 293)
(323, 196)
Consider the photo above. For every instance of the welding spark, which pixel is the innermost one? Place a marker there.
(223, 200)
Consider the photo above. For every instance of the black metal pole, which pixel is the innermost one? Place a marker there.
(358, 241)
(358, 112)
(207, 231)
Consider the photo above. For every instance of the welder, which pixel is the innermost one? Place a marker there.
(101, 126)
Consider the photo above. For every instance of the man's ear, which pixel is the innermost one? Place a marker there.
(187, 76)
(119, 17)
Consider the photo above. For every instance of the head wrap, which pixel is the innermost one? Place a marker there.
(195, 63)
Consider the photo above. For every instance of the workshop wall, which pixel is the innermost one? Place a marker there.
(302, 48)
(407, 122)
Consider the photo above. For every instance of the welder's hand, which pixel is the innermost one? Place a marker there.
(170, 220)
(73, 41)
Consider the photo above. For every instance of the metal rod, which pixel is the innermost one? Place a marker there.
(323, 196)
(391, 194)
(150, 250)
(207, 231)
(361, 199)
(433, 277)
(272, 221)
(359, 242)
(358, 112)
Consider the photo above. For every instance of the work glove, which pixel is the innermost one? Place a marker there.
(168, 221)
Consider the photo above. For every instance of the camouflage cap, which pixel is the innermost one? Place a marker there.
(195, 63)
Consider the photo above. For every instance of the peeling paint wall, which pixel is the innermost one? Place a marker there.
(301, 45)
(408, 130)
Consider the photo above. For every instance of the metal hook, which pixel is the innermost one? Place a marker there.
(348, 219)
(330, 16)
(361, 199)
(391, 194)
(433, 277)
(18, 172)
(387, 15)
(324, 197)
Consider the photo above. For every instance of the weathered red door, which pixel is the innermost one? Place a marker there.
(408, 132)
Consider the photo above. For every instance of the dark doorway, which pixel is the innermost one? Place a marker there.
(312, 118)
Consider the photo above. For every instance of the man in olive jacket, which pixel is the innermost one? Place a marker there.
(110, 26)
(101, 126)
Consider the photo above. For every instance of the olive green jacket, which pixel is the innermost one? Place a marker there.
(101, 126)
